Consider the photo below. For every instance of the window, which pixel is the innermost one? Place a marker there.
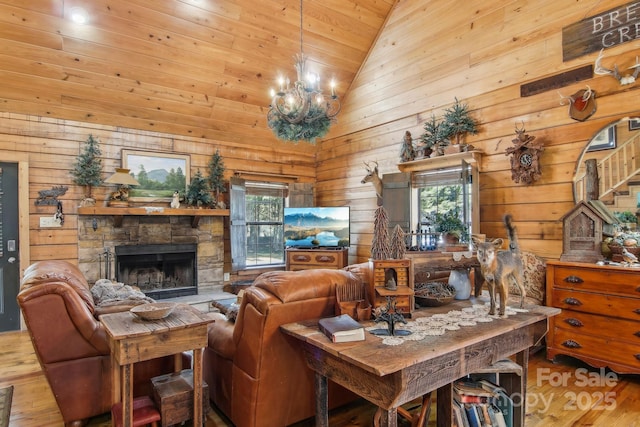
(264, 219)
(441, 191)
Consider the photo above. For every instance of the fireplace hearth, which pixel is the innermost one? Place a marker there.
(160, 271)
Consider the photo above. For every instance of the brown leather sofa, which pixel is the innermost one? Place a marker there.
(257, 375)
(71, 344)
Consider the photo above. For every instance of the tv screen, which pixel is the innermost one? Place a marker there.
(316, 227)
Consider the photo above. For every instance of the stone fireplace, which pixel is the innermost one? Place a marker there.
(157, 247)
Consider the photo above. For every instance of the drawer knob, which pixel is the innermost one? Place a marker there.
(637, 334)
(638, 289)
(574, 322)
(571, 344)
(573, 279)
(637, 356)
(572, 301)
(637, 311)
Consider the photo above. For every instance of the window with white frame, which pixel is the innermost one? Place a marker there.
(264, 207)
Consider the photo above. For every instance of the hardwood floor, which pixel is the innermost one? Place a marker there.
(565, 393)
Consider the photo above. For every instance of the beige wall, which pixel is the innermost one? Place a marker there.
(480, 52)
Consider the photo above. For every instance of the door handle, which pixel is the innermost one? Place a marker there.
(11, 260)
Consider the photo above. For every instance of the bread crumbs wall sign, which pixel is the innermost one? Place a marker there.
(607, 29)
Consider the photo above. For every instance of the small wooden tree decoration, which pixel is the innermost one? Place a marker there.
(87, 170)
(398, 247)
(215, 179)
(198, 193)
(380, 246)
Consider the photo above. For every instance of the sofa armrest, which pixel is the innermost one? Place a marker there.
(220, 336)
(46, 305)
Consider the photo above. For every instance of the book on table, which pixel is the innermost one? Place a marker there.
(341, 328)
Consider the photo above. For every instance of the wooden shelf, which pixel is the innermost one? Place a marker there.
(439, 162)
(119, 213)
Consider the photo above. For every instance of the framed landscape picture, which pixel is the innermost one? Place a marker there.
(634, 124)
(159, 174)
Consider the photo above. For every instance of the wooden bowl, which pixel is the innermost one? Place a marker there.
(153, 311)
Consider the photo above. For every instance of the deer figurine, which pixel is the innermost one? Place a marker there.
(373, 177)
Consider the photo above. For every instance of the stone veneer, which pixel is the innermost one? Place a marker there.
(153, 230)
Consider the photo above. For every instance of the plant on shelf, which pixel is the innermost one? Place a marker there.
(198, 193)
(87, 170)
(433, 138)
(215, 179)
(457, 122)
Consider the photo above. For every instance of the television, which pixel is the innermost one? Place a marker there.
(322, 227)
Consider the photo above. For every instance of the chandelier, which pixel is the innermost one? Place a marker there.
(300, 112)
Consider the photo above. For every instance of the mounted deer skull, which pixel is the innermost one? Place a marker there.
(372, 177)
(624, 80)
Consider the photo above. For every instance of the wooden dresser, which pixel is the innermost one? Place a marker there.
(600, 319)
(306, 259)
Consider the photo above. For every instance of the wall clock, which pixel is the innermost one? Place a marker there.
(525, 158)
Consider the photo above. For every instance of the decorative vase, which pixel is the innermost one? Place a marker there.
(459, 279)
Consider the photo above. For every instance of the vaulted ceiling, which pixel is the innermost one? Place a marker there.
(193, 67)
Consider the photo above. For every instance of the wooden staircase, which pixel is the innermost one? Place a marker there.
(618, 176)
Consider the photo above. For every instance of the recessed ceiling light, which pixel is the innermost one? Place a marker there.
(79, 15)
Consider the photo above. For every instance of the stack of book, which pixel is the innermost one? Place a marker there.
(481, 404)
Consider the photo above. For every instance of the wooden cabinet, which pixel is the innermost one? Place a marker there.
(306, 259)
(600, 319)
(401, 271)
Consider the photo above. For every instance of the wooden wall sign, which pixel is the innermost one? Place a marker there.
(613, 27)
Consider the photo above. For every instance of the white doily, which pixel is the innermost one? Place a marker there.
(440, 323)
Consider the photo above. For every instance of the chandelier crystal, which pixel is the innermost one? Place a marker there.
(300, 112)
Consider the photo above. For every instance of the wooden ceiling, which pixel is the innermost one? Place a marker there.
(202, 68)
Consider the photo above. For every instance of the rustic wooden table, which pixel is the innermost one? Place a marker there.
(133, 340)
(390, 376)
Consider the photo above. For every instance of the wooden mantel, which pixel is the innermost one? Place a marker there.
(119, 213)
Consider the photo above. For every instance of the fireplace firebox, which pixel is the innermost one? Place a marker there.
(160, 271)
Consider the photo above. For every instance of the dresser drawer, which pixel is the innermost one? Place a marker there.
(317, 258)
(606, 305)
(618, 281)
(599, 326)
(592, 347)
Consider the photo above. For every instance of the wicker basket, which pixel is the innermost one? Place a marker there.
(616, 252)
(352, 300)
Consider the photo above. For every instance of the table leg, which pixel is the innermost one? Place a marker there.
(197, 387)
(444, 412)
(519, 411)
(127, 395)
(322, 401)
(384, 418)
(116, 374)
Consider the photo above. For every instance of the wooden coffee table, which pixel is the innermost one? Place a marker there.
(133, 340)
(390, 376)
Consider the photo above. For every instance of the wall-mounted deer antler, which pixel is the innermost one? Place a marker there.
(624, 80)
(372, 177)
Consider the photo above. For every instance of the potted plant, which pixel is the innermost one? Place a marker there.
(198, 193)
(87, 170)
(433, 139)
(628, 220)
(451, 226)
(457, 122)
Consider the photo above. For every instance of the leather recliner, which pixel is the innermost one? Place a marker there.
(257, 375)
(72, 346)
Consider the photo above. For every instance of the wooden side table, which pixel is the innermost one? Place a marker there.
(133, 340)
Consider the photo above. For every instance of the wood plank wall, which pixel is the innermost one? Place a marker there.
(480, 52)
(51, 147)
